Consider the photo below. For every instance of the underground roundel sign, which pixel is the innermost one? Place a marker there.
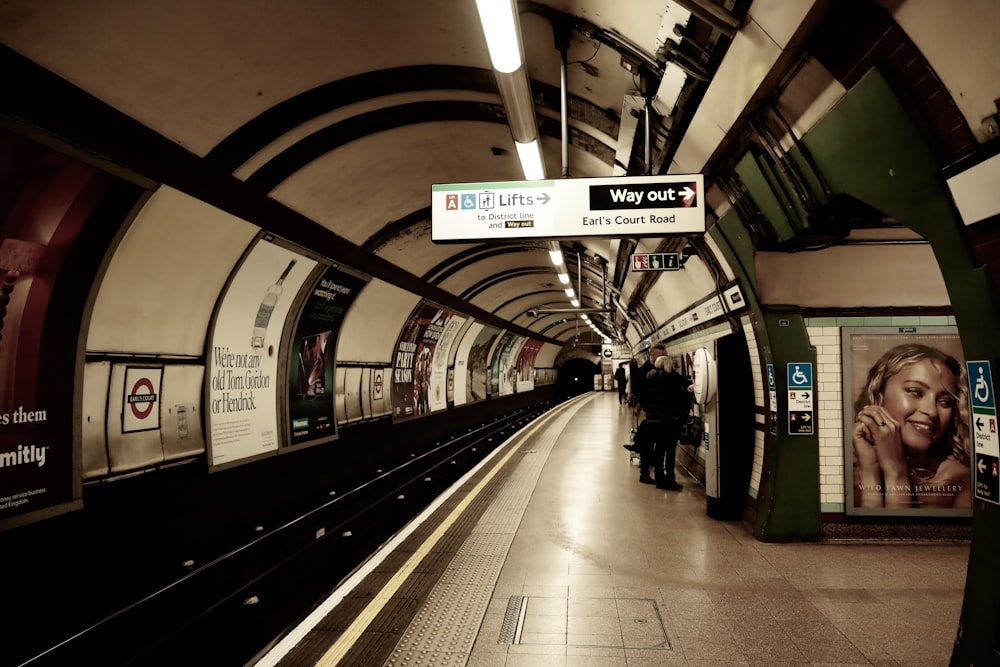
(141, 409)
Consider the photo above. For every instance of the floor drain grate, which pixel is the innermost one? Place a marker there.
(584, 622)
(512, 620)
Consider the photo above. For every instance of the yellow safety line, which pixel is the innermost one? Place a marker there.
(360, 624)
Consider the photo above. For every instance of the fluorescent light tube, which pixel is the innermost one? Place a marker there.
(500, 28)
(531, 160)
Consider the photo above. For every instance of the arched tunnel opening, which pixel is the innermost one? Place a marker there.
(576, 376)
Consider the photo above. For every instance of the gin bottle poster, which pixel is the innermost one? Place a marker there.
(242, 357)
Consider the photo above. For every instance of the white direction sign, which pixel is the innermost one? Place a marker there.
(571, 207)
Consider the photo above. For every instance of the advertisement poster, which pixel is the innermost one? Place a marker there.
(461, 371)
(906, 422)
(508, 365)
(43, 292)
(500, 366)
(478, 371)
(411, 373)
(310, 382)
(526, 366)
(242, 364)
(439, 367)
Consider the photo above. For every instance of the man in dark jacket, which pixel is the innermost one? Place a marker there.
(666, 399)
(639, 377)
(621, 377)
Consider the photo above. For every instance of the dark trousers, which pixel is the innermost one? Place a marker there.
(621, 392)
(657, 442)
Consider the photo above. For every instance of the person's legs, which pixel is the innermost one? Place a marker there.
(666, 478)
(644, 443)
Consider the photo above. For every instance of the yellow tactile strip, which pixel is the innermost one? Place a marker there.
(445, 630)
(368, 622)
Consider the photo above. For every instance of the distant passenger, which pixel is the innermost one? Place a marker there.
(633, 373)
(910, 432)
(621, 377)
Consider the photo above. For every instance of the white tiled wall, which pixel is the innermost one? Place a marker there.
(829, 415)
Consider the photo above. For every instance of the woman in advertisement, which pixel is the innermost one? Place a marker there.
(910, 432)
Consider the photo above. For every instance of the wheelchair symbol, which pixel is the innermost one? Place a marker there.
(982, 389)
(798, 377)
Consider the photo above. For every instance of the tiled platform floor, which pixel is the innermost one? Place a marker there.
(589, 567)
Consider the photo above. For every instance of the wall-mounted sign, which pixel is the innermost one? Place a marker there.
(704, 374)
(801, 420)
(772, 395)
(141, 402)
(986, 453)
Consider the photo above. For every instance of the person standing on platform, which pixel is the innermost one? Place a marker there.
(666, 399)
(622, 379)
(643, 442)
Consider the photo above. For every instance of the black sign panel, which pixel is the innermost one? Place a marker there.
(642, 195)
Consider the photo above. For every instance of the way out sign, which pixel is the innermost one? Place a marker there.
(141, 407)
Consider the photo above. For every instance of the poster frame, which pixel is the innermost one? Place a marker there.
(854, 369)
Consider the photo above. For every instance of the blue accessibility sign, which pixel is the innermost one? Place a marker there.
(980, 384)
(800, 375)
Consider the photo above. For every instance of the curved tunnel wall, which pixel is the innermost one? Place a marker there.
(373, 350)
(160, 290)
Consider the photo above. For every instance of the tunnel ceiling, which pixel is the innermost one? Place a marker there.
(328, 123)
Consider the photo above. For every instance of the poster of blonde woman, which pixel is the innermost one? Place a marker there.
(906, 422)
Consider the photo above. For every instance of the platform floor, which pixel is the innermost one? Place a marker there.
(552, 554)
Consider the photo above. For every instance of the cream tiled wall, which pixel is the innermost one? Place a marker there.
(829, 416)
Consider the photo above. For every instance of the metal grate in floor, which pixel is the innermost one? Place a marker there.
(584, 623)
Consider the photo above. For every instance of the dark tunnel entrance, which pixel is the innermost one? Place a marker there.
(576, 376)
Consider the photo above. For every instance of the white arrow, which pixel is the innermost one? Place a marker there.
(687, 192)
(981, 465)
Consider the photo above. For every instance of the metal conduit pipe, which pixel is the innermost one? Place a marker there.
(647, 155)
(562, 44)
(515, 94)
